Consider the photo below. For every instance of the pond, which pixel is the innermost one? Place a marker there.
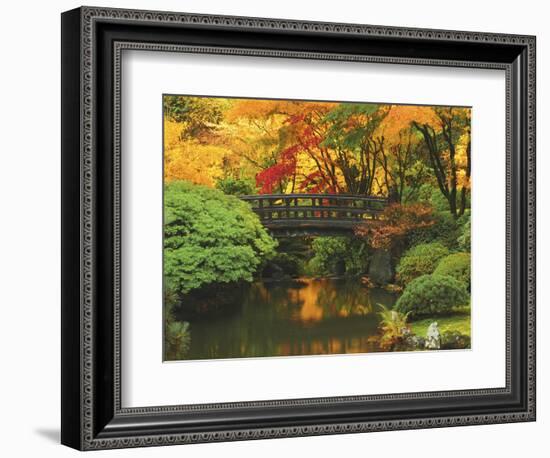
(286, 318)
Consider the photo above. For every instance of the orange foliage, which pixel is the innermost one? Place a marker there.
(192, 160)
(261, 109)
(316, 147)
(401, 117)
(397, 221)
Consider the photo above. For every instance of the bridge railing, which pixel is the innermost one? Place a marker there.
(271, 207)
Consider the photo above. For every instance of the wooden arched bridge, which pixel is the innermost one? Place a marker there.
(315, 214)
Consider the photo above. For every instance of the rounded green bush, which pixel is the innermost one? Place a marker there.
(432, 295)
(210, 237)
(456, 265)
(420, 260)
(445, 230)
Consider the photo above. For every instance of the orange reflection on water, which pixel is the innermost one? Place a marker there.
(329, 346)
(307, 296)
(318, 299)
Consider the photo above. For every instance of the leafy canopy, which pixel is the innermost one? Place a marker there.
(196, 115)
(210, 237)
(290, 146)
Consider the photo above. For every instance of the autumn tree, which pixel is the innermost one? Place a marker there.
(332, 149)
(286, 146)
(194, 139)
(401, 159)
(286, 134)
(448, 143)
(354, 146)
(257, 134)
(196, 116)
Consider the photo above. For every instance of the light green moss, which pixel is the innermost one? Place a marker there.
(458, 322)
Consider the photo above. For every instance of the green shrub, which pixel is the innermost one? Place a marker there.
(430, 193)
(445, 230)
(236, 186)
(456, 265)
(438, 201)
(420, 260)
(464, 239)
(286, 263)
(209, 238)
(333, 254)
(432, 295)
(313, 268)
(291, 258)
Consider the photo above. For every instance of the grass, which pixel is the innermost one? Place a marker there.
(458, 322)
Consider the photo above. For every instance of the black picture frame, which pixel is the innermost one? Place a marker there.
(92, 416)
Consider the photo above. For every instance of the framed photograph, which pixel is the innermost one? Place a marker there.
(276, 228)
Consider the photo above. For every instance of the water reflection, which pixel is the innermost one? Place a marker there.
(299, 317)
